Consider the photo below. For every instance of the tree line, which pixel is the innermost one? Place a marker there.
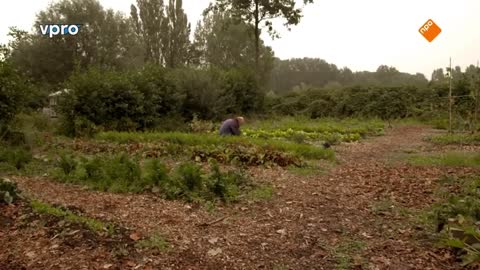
(134, 71)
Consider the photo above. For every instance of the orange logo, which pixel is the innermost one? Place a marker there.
(430, 30)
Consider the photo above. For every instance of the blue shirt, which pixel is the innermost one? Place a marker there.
(230, 127)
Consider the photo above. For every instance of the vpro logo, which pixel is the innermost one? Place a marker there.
(52, 30)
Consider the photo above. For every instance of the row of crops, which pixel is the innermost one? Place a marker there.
(302, 136)
(202, 147)
(284, 142)
(328, 130)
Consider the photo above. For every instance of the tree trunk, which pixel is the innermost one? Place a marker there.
(257, 38)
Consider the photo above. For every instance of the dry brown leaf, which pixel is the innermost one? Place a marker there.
(135, 236)
(214, 252)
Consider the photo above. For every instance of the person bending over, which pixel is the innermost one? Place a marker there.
(232, 126)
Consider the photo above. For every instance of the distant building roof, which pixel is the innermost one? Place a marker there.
(59, 92)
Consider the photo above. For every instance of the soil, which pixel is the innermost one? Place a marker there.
(358, 215)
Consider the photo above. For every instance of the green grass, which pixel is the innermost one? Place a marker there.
(466, 139)
(155, 242)
(92, 224)
(261, 193)
(446, 159)
(212, 140)
(344, 251)
(382, 206)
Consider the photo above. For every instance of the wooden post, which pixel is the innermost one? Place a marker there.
(450, 100)
(477, 99)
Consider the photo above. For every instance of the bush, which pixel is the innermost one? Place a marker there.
(241, 93)
(226, 186)
(201, 126)
(8, 191)
(190, 176)
(13, 91)
(201, 90)
(17, 157)
(126, 101)
(156, 176)
(98, 98)
(171, 123)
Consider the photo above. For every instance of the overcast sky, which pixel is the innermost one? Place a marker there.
(359, 34)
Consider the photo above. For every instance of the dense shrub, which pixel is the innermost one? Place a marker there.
(240, 92)
(128, 101)
(108, 99)
(13, 92)
(357, 101)
(17, 157)
(200, 89)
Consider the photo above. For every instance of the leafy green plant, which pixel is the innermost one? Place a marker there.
(190, 180)
(155, 173)
(156, 242)
(245, 155)
(201, 126)
(226, 186)
(468, 243)
(67, 164)
(458, 214)
(9, 192)
(92, 224)
(301, 137)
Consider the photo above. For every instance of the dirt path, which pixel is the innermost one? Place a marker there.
(317, 222)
